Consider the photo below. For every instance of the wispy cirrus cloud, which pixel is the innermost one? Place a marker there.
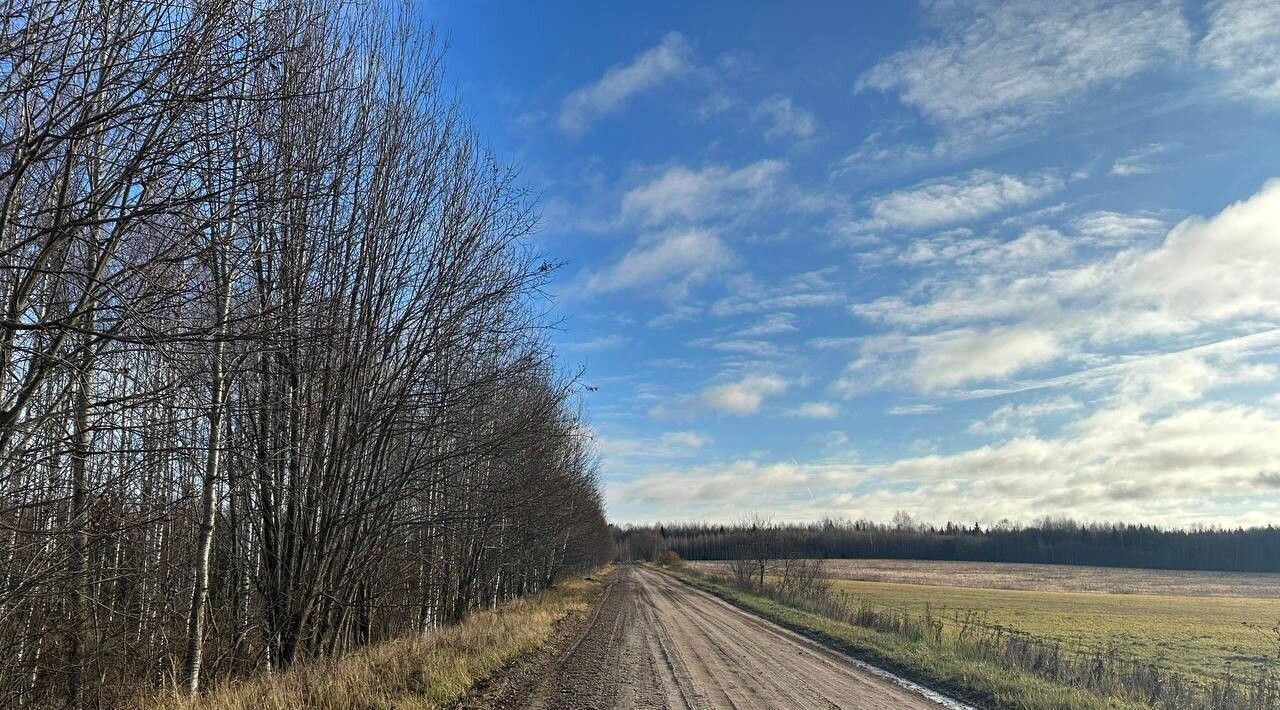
(604, 342)
(810, 289)
(669, 59)
(1020, 418)
(1243, 45)
(998, 68)
(1139, 162)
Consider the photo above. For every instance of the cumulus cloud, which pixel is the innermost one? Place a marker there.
(1002, 67)
(959, 198)
(1243, 43)
(671, 58)
(1133, 458)
(670, 263)
(783, 119)
(743, 396)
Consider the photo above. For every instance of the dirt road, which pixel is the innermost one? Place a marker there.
(654, 642)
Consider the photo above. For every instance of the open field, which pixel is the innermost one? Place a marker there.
(431, 671)
(1051, 578)
(1060, 578)
(1197, 635)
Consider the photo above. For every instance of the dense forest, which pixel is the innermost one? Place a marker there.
(276, 381)
(1045, 542)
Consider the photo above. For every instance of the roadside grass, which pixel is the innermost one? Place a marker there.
(434, 670)
(978, 673)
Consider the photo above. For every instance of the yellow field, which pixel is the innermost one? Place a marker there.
(1197, 635)
(1210, 622)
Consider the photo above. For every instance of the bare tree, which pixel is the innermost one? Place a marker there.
(276, 382)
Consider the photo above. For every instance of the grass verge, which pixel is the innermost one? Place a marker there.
(434, 670)
(981, 682)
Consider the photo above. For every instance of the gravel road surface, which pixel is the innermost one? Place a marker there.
(654, 642)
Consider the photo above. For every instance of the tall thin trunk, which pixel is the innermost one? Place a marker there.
(79, 514)
(208, 490)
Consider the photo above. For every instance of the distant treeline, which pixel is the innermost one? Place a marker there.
(1045, 542)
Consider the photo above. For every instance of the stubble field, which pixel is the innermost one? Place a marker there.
(1198, 623)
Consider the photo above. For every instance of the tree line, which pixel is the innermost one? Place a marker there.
(1048, 541)
(276, 381)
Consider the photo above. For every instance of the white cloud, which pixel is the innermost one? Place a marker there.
(814, 410)
(1138, 162)
(959, 198)
(685, 439)
(743, 396)
(604, 342)
(670, 262)
(948, 358)
(1188, 464)
(745, 346)
(1243, 43)
(810, 289)
(908, 410)
(629, 453)
(1115, 228)
(783, 119)
(738, 480)
(1001, 67)
(1206, 274)
(772, 324)
(671, 58)
(1032, 250)
(1021, 418)
(678, 313)
(714, 191)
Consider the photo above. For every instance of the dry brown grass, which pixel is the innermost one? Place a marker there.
(429, 671)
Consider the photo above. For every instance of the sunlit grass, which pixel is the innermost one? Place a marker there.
(434, 670)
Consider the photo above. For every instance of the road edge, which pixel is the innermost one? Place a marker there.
(510, 686)
(959, 696)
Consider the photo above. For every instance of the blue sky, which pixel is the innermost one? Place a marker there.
(969, 260)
